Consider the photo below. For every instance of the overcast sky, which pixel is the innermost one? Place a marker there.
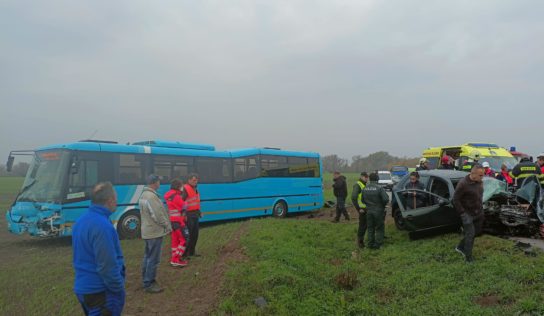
(345, 77)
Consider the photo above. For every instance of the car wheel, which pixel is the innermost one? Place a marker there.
(129, 226)
(280, 209)
(399, 220)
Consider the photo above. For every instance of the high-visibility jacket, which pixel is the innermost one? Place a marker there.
(192, 199)
(175, 205)
(360, 196)
(468, 166)
(525, 170)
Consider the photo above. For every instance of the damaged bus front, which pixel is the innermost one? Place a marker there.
(37, 209)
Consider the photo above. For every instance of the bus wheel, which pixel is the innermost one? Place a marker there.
(129, 225)
(399, 220)
(280, 209)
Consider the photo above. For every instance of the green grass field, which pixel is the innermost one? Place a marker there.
(299, 266)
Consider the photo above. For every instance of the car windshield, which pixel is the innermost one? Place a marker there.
(44, 179)
(496, 162)
(384, 176)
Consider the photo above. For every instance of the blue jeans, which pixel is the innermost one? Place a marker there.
(152, 258)
(104, 303)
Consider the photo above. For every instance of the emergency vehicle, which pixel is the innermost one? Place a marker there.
(487, 152)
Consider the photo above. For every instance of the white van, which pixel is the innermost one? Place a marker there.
(385, 180)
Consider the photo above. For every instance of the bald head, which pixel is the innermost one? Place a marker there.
(104, 194)
(477, 173)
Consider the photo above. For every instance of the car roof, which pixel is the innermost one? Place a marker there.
(451, 174)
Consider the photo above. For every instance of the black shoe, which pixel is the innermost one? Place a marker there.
(459, 250)
(335, 221)
(154, 288)
(469, 259)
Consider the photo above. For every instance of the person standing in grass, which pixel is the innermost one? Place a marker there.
(467, 200)
(357, 200)
(191, 196)
(375, 198)
(155, 225)
(340, 190)
(98, 260)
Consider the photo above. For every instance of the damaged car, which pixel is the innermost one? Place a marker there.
(507, 212)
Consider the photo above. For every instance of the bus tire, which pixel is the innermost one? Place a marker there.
(280, 209)
(129, 225)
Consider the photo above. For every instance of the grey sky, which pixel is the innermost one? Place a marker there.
(345, 77)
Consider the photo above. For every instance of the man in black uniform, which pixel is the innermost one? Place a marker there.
(340, 190)
(524, 169)
(357, 200)
(375, 198)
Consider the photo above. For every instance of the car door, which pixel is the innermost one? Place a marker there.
(420, 217)
(442, 190)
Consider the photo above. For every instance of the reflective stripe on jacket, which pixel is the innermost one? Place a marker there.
(193, 198)
(360, 195)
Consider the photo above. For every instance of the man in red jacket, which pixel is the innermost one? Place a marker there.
(176, 210)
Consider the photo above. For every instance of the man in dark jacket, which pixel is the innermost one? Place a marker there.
(98, 260)
(525, 169)
(423, 165)
(467, 200)
(340, 190)
(357, 200)
(375, 198)
(415, 198)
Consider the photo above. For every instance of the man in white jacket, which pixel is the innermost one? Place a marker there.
(155, 225)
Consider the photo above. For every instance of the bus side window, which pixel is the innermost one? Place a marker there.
(274, 166)
(245, 168)
(81, 183)
(213, 170)
(132, 169)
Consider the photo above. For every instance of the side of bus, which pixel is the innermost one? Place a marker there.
(244, 183)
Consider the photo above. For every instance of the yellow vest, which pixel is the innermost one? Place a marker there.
(360, 196)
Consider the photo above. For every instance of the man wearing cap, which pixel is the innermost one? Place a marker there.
(155, 225)
(375, 199)
(357, 200)
(488, 172)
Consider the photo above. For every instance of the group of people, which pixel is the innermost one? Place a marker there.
(370, 200)
(97, 255)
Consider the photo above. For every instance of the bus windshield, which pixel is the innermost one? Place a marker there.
(45, 177)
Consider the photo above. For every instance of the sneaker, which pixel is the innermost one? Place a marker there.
(459, 250)
(181, 263)
(153, 289)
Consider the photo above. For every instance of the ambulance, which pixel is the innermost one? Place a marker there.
(487, 152)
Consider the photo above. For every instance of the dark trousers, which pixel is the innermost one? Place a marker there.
(152, 258)
(103, 303)
(192, 225)
(341, 208)
(472, 227)
(376, 228)
(362, 228)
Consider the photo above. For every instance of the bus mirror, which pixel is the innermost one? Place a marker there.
(9, 165)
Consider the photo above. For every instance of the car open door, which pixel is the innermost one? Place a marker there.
(420, 216)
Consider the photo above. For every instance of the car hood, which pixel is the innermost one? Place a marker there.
(530, 192)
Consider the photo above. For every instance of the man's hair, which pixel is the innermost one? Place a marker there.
(336, 172)
(414, 174)
(364, 174)
(477, 166)
(102, 192)
(374, 177)
(176, 184)
(153, 178)
(192, 175)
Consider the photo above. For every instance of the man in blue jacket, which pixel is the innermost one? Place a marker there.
(98, 260)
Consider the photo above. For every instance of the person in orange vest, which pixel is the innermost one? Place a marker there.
(192, 198)
(176, 209)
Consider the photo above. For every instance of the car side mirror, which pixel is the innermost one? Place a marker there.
(9, 164)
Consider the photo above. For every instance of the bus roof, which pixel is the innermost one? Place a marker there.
(159, 147)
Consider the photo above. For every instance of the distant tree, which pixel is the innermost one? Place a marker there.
(3, 171)
(333, 163)
(20, 169)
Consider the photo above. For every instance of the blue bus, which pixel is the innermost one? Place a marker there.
(233, 184)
